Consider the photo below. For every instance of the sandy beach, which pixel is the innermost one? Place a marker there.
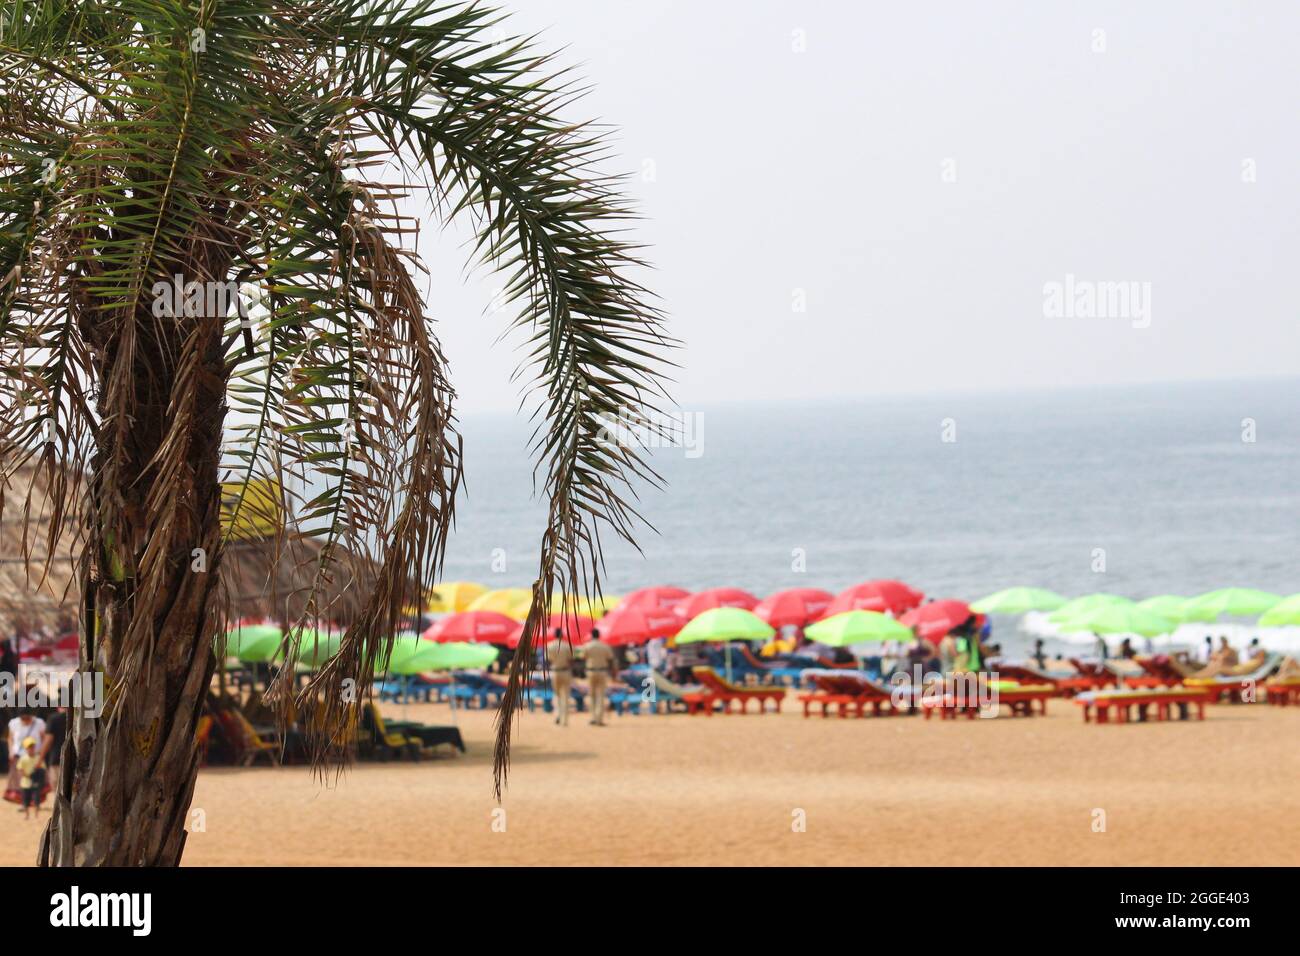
(672, 790)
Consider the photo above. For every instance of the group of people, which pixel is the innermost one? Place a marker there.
(595, 657)
(34, 741)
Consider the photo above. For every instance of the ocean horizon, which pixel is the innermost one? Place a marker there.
(1136, 490)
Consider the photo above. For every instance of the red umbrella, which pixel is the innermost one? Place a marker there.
(630, 625)
(793, 607)
(703, 601)
(653, 599)
(487, 627)
(893, 596)
(932, 621)
(577, 630)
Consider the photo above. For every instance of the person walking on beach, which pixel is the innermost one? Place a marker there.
(559, 657)
(600, 662)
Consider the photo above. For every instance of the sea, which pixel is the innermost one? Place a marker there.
(1133, 490)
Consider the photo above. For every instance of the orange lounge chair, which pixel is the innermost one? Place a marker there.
(1283, 691)
(847, 692)
(1066, 684)
(716, 690)
(1157, 671)
(1021, 698)
(1090, 676)
(1140, 700)
(1236, 686)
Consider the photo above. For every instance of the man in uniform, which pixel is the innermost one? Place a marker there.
(559, 657)
(600, 665)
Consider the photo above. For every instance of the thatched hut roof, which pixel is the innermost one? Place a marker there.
(42, 595)
(259, 579)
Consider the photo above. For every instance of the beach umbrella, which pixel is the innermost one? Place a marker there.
(1088, 602)
(576, 628)
(488, 627)
(582, 606)
(724, 625)
(661, 598)
(460, 657)
(1119, 619)
(254, 643)
(316, 647)
(417, 657)
(1170, 606)
(701, 601)
(793, 607)
(447, 597)
(512, 602)
(1233, 602)
(1018, 601)
(858, 627)
(893, 596)
(932, 621)
(1283, 614)
(630, 625)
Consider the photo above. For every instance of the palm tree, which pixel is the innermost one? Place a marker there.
(157, 154)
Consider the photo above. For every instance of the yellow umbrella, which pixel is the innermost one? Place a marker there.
(512, 602)
(448, 597)
(581, 606)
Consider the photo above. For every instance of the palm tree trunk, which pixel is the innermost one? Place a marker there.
(147, 577)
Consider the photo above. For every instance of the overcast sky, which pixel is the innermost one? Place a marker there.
(788, 153)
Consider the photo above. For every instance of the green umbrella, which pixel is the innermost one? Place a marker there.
(1234, 602)
(1170, 606)
(857, 627)
(1018, 601)
(405, 647)
(316, 647)
(1282, 614)
(460, 655)
(254, 643)
(408, 658)
(1119, 619)
(725, 624)
(1087, 603)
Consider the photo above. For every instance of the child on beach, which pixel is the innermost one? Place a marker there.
(32, 777)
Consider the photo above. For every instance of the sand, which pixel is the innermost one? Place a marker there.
(674, 789)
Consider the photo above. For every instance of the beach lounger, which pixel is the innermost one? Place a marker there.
(1089, 676)
(1283, 692)
(1019, 698)
(1137, 702)
(623, 697)
(1066, 682)
(1235, 686)
(670, 693)
(847, 693)
(778, 670)
(429, 736)
(717, 690)
(377, 739)
(248, 744)
(1159, 670)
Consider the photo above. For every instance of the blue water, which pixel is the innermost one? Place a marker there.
(1157, 477)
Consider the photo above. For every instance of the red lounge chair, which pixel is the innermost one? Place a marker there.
(716, 689)
(847, 692)
(1283, 692)
(1066, 684)
(1141, 699)
(1159, 671)
(1021, 699)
